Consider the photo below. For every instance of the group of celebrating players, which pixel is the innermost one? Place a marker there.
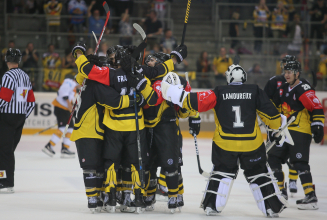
(122, 139)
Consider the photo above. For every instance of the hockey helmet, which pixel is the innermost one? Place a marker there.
(286, 59)
(13, 55)
(235, 73)
(293, 65)
(158, 57)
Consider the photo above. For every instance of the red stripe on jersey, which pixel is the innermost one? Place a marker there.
(188, 87)
(310, 101)
(100, 74)
(6, 94)
(157, 88)
(206, 100)
(30, 96)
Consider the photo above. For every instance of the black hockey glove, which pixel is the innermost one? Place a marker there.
(318, 132)
(194, 124)
(272, 137)
(180, 53)
(133, 72)
(139, 100)
(94, 59)
(79, 46)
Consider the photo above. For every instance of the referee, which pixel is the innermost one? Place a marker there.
(16, 104)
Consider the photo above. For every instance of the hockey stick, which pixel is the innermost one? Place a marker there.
(45, 130)
(106, 8)
(269, 145)
(142, 33)
(95, 37)
(314, 79)
(186, 20)
(203, 173)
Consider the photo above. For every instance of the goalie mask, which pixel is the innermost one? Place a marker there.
(235, 73)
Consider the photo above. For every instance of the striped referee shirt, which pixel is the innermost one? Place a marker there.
(16, 94)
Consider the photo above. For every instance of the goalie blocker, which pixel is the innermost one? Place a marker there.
(237, 137)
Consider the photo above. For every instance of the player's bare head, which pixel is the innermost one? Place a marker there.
(222, 51)
(292, 71)
(235, 73)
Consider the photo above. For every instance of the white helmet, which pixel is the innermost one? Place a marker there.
(235, 73)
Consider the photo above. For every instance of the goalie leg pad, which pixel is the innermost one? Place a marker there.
(266, 193)
(217, 190)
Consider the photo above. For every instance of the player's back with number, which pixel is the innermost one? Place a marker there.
(236, 112)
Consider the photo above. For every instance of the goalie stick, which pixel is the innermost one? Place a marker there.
(269, 145)
(106, 8)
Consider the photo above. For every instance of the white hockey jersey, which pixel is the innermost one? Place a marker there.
(65, 92)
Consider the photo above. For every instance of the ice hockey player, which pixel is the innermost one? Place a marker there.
(164, 138)
(88, 131)
(63, 105)
(17, 101)
(298, 98)
(237, 138)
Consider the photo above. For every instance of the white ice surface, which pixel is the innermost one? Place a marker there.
(52, 188)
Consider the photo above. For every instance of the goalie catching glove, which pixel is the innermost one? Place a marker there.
(133, 72)
(180, 53)
(172, 89)
(79, 47)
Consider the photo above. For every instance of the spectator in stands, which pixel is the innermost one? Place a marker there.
(51, 59)
(318, 15)
(255, 69)
(295, 34)
(234, 32)
(155, 49)
(126, 29)
(153, 27)
(260, 15)
(78, 9)
(103, 49)
(279, 18)
(95, 22)
(160, 8)
(168, 42)
(53, 10)
(68, 62)
(221, 64)
(30, 58)
(203, 67)
(4, 68)
(31, 7)
(122, 5)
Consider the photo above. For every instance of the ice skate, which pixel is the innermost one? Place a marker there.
(162, 193)
(126, 205)
(6, 190)
(292, 186)
(271, 214)
(149, 202)
(138, 202)
(105, 198)
(66, 153)
(48, 150)
(172, 204)
(111, 203)
(99, 203)
(210, 211)
(309, 202)
(180, 202)
(92, 203)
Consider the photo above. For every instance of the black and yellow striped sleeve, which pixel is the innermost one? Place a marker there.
(158, 71)
(84, 68)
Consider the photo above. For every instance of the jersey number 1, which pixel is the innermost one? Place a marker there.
(238, 123)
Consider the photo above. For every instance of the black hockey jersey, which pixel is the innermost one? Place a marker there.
(302, 102)
(236, 107)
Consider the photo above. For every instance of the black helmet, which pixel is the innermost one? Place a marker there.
(13, 55)
(287, 59)
(293, 65)
(159, 57)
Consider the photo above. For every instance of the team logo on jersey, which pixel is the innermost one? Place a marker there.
(280, 92)
(316, 100)
(170, 161)
(294, 97)
(298, 155)
(24, 93)
(204, 95)
(287, 94)
(3, 174)
(287, 111)
(83, 160)
(279, 83)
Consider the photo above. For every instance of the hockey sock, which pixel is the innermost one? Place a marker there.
(305, 176)
(119, 175)
(180, 182)
(152, 186)
(127, 183)
(55, 138)
(162, 178)
(111, 180)
(100, 179)
(136, 180)
(293, 175)
(279, 174)
(90, 182)
(66, 140)
(172, 182)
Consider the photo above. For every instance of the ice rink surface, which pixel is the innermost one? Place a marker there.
(53, 189)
